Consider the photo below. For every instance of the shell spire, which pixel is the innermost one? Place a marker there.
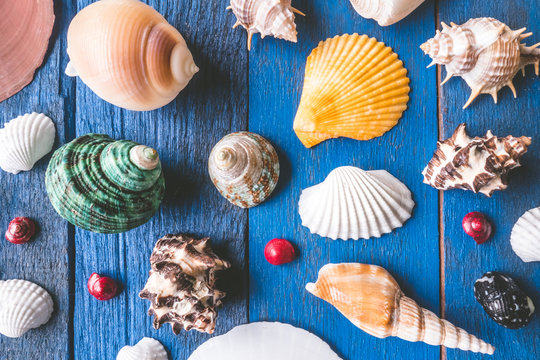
(373, 301)
(485, 52)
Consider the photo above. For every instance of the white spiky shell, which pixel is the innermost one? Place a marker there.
(265, 341)
(146, 349)
(267, 17)
(385, 12)
(23, 306)
(525, 238)
(25, 140)
(352, 203)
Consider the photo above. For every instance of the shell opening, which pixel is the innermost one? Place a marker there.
(144, 157)
(182, 64)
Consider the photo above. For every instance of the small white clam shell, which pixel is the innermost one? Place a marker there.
(525, 238)
(146, 349)
(352, 203)
(265, 341)
(25, 140)
(385, 12)
(23, 306)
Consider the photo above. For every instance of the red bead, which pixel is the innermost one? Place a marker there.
(102, 287)
(279, 251)
(20, 230)
(476, 225)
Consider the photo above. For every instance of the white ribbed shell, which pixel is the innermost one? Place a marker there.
(25, 140)
(23, 306)
(525, 238)
(385, 12)
(265, 341)
(146, 349)
(352, 203)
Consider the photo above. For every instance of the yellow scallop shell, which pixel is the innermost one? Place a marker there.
(354, 87)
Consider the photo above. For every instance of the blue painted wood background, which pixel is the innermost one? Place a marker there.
(432, 259)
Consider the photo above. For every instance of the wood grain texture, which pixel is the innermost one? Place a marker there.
(464, 260)
(410, 253)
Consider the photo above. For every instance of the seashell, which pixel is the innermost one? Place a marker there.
(354, 87)
(385, 12)
(525, 238)
(267, 17)
(479, 164)
(26, 27)
(371, 299)
(23, 306)
(146, 349)
(103, 185)
(20, 230)
(181, 283)
(265, 341)
(128, 54)
(486, 53)
(244, 167)
(25, 140)
(352, 203)
(503, 300)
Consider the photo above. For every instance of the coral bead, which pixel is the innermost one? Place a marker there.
(102, 287)
(20, 230)
(279, 251)
(476, 225)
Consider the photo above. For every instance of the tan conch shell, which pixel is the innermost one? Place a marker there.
(385, 12)
(480, 164)
(128, 54)
(486, 53)
(354, 87)
(267, 17)
(372, 300)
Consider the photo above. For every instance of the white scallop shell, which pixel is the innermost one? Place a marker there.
(25, 140)
(352, 203)
(385, 12)
(525, 238)
(23, 306)
(265, 341)
(146, 349)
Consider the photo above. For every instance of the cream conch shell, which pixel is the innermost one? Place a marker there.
(146, 349)
(354, 87)
(267, 17)
(486, 53)
(128, 54)
(371, 299)
(385, 12)
(525, 238)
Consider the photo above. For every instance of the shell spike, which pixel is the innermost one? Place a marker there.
(517, 33)
(494, 96)
(236, 24)
(445, 26)
(512, 87)
(249, 39)
(228, 7)
(453, 24)
(524, 36)
(473, 96)
(296, 11)
(431, 64)
(448, 77)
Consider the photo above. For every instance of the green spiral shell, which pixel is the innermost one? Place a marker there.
(103, 185)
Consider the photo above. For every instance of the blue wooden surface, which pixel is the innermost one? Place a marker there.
(260, 91)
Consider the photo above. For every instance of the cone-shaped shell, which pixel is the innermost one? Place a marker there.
(486, 53)
(128, 54)
(103, 185)
(25, 140)
(26, 26)
(146, 349)
(23, 306)
(352, 203)
(385, 12)
(525, 238)
(372, 300)
(354, 87)
(244, 167)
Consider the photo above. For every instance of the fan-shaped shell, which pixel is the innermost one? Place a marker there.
(146, 349)
(265, 341)
(103, 185)
(244, 167)
(128, 54)
(385, 12)
(525, 238)
(354, 87)
(25, 140)
(26, 26)
(352, 203)
(23, 306)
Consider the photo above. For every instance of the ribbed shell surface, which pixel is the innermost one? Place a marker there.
(23, 306)
(525, 238)
(92, 183)
(354, 87)
(146, 349)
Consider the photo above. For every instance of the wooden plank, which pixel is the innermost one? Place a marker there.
(46, 259)
(411, 253)
(464, 260)
(183, 132)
